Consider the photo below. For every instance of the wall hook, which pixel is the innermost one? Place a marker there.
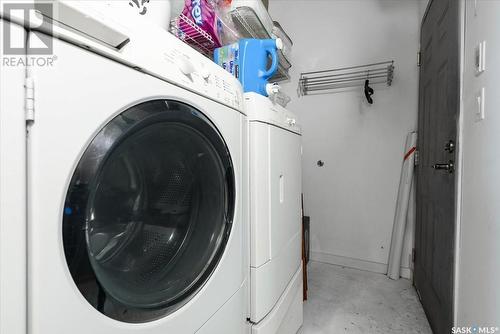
(368, 92)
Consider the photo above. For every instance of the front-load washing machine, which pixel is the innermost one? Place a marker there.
(135, 159)
(275, 217)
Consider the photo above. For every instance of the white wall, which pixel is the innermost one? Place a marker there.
(478, 292)
(351, 200)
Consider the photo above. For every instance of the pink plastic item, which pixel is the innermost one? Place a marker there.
(203, 15)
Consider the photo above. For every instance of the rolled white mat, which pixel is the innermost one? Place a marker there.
(398, 230)
(411, 217)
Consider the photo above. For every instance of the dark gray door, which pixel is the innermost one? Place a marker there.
(437, 128)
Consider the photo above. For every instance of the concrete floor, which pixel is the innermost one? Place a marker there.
(344, 300)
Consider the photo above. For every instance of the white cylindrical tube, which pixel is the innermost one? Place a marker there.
(398, 230)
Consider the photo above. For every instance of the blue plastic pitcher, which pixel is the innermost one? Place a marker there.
(248, 61)
(254, 73)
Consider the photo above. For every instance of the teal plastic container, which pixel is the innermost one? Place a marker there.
(248, 61)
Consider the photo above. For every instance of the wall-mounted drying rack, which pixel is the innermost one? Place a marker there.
(353, 76)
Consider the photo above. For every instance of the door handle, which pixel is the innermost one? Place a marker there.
(449, 167)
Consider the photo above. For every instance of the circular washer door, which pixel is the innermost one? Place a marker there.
(148, 211)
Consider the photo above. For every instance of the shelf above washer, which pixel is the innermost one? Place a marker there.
(248, 25)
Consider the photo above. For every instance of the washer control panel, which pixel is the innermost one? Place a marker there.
(176, 62)
(150, 49)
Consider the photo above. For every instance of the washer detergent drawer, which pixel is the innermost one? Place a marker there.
(275, 183)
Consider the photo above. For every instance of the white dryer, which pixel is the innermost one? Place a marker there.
(275, 217)
(136, 214)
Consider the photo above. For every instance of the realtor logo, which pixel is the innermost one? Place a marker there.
(39, 25)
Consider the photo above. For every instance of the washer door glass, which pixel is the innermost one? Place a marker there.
(148, 211)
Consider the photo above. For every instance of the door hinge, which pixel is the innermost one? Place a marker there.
(29, 99)
(417, 158)
(413, 255)
(419, 58)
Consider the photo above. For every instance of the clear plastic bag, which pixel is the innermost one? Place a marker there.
(227, 31)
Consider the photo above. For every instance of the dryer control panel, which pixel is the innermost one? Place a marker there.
(261, 109)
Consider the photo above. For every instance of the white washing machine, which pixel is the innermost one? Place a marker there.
(136, 214)
(275, 217)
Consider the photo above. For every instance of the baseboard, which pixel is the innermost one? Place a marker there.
(349, 262)
(406, 273)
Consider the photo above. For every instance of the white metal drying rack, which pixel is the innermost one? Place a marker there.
(353, 76)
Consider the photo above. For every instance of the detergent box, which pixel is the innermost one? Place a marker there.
(228, 57)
